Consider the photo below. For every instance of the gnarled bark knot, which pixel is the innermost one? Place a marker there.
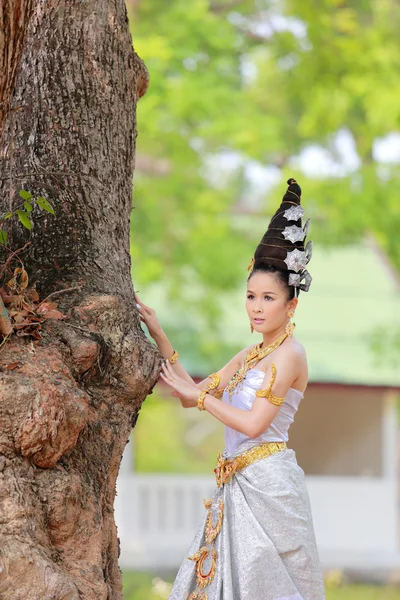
(65, 416)
(142, 76)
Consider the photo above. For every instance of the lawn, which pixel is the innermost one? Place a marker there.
(144, 586)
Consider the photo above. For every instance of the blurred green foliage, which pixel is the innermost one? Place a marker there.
(268, 80)
(169, 439)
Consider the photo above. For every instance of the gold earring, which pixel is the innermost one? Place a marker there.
(251, 328)
(290, 314)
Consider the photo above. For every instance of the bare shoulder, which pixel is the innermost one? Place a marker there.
(293, 352)
(290, 357)
(293, 348)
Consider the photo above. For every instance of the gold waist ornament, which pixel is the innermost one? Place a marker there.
(226, 468)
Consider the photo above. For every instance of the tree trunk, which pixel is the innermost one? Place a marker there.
(68, 400)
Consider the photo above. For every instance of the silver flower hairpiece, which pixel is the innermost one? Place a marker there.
(296, 279)
(296, 260)
(294, 233)
(294, 213)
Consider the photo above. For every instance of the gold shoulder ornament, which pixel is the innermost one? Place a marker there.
(268, 392)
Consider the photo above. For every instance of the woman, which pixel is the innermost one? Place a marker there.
(256, 540)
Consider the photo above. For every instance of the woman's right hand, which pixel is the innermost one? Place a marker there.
(149, 317)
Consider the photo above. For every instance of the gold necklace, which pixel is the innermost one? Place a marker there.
(254, 355)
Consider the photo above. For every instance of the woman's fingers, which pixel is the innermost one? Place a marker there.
(169, 381)
(170, 371)
(170, 376)
(147, 308)
(167, 372)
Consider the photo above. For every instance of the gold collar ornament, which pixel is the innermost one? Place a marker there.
(254, 355)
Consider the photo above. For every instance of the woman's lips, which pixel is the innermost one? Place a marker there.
(259, 320)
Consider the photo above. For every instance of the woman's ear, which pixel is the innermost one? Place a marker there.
(293, 304)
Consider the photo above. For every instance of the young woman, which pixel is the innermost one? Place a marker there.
(256, 540)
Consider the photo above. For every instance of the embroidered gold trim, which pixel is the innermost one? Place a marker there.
(204, 579)
(210, 533)
(198, 596)
(213, 530)
(226, 468)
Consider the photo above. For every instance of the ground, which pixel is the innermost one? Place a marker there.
(138, 586)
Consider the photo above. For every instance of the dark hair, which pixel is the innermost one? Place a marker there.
(281, 276)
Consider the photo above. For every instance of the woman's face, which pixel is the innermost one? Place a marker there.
(266, 302)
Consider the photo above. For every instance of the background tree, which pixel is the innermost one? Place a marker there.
(244, 87)
(277, 80)
(73, 380)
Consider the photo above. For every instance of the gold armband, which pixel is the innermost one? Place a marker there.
(268, 392)
(219, 393)
(215, 379)
(172, 359)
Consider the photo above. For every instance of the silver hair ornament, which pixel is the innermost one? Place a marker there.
(296, 279)
(294, 213)
(308, 251)
(294, 234)
(296, 260)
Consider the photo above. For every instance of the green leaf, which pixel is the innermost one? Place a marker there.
(25, 195)
(24, 218)
(7, 215)
(43, 203)
(28, 206)
(3, 237)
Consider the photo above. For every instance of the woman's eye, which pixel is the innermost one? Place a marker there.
(250, 297)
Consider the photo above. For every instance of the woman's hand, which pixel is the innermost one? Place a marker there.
(187, 392)
(148, 316)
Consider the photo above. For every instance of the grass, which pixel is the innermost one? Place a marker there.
(145, 586)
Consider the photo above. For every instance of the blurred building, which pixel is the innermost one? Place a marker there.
(345, 433)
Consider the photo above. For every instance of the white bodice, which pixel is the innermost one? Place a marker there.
(243, 397)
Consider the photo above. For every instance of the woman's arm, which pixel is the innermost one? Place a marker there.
(289, 362)
(149, 317)
(166, 349)
(227, 372)
(253, 422)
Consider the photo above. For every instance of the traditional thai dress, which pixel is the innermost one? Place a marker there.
(256, 540)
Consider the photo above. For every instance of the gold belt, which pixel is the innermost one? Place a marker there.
(226, 468)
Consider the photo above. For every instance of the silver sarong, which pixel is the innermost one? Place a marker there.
(263, 544)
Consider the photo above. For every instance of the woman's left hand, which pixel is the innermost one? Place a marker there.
(187, 391)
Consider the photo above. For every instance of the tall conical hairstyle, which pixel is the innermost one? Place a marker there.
(283, 243)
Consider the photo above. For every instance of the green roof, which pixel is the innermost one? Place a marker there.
(353, 297)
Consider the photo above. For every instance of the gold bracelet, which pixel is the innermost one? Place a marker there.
(214, 383)
(200, 401)
(268, 392)
(215, 379)
(173, 358)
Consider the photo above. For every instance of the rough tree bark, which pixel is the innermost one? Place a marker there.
(70, 82)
